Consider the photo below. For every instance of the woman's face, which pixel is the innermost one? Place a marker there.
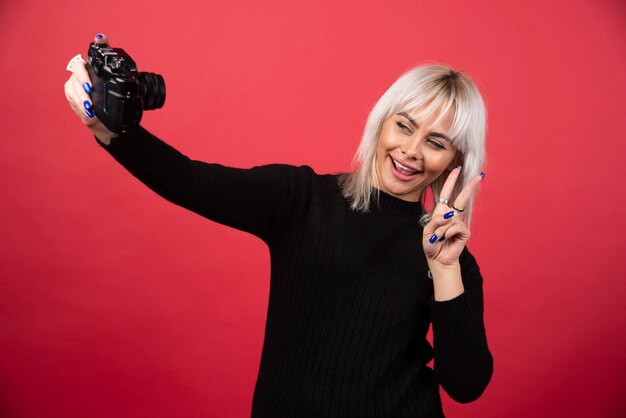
(420, 147)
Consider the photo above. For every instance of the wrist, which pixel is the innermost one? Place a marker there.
(103, 135)
(447, 281)
(444, 268)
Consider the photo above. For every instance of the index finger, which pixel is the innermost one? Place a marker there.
(77, 65)
(101, 39)
(468, 190)
(448, 186)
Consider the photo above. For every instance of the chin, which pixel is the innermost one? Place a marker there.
(404, 193)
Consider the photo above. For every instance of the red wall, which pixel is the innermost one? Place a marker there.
(116, 303)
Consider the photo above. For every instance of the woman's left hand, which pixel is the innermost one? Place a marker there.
(444, 238)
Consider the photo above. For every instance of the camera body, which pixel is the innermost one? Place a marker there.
(120, 93)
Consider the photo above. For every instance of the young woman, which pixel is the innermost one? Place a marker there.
(360, 268)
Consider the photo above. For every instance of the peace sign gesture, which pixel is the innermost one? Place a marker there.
(446, 234)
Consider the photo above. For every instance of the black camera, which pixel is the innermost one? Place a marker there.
(120, 93)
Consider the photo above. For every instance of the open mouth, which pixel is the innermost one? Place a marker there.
(403, 171)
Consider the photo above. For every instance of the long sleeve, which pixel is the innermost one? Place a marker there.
(263, 200)
(345, 295)
(463, 363)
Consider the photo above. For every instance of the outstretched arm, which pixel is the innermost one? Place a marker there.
(263, 200)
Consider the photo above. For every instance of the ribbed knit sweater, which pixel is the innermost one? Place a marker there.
(350, 298)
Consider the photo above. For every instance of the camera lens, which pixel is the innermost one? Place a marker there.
(152, 90)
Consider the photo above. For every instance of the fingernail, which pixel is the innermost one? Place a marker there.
(99, 36)
(442, 238)
(433, 239)
(89, 113)
(482, 175)
(448, 215)
(87, 87)
(459, 167)
(87, 105)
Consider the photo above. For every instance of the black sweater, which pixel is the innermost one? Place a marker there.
(350, 298)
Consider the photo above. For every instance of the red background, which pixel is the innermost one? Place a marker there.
(116, 303)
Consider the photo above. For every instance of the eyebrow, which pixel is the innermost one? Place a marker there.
(437, 134)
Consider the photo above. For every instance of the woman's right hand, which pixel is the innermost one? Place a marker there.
(77, 90)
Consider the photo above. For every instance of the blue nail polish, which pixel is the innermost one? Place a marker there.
(460, 166)
(448, 215)
(433, 239)
(87, 87)
(442, 238)
(99, 36)
(89, 113)
(87, 105)
(482, 175)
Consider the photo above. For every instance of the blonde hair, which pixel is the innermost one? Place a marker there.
(430, 87)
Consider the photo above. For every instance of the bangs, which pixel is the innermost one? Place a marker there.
(424, 91)
(439, 98)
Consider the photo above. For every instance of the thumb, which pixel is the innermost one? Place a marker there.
(101, 39)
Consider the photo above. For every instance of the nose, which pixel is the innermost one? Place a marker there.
(412, 148)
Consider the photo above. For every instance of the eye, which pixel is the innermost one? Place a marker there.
(403, 126)
(436, 144)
